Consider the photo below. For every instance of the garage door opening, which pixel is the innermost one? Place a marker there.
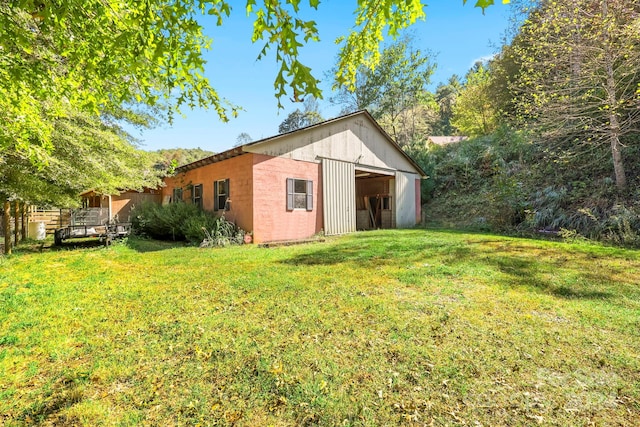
(374, 201)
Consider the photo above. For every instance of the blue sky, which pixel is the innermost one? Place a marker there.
(457, 35)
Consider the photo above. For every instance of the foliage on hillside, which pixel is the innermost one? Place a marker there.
(510, 182)
(568, 81)
(169, 158)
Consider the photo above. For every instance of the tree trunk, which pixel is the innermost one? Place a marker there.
(16, 222)
(6, 227)
(616, 147)
(612, 100)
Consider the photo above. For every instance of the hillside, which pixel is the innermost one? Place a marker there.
(510, 182)
(180, 156)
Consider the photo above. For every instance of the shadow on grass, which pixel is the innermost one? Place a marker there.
(143, 245)
(505, 262)
(137, 244)
(35, 246)
(371, 247)
(524, 272)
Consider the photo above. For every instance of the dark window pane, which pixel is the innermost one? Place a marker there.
(300, 186)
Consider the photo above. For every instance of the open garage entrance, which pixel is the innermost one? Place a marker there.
(374, 200)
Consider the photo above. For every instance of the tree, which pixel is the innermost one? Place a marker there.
(170, 158)
(413, 123)
(360, 47)
(579, 79)
(103, 60)
(243, 138)
(87, 154)
(473, 112)
(394, 90)
(446, 96)
(299, 119)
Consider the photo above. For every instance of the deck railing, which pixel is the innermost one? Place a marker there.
(90, 216)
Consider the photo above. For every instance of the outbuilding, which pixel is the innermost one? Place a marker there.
(338, 176)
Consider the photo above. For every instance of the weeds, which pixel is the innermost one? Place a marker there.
(505, 184)
(222, 233)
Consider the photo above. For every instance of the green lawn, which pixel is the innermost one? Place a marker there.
(378, 328)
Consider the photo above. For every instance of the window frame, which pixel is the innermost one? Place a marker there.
(386, 201)
(196, 200)
(226, 206)
(175, 192)
(291, 194)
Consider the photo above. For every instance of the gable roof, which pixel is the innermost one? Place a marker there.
(444, 140)
(238, 151)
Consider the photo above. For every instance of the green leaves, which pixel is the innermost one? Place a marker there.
(373, 19)
(284, 32)
(473, 112)
(576, 78)
(483, 4)
(95, 57)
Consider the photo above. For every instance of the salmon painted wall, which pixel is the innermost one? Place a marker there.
(239, 172)
(272, 221)
(122, 204)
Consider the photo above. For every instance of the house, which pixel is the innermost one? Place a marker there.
(98, 209)
(444, 140)
(337, 176)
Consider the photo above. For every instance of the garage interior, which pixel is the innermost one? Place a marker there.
(374, 201)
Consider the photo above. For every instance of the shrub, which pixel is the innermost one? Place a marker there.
(508, 203)
(176, 221)
(622, 227)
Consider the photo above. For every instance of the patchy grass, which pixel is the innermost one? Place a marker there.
(377, 328)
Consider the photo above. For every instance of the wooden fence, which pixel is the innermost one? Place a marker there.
(53, 218)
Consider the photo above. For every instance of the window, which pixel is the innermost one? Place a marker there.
(177, 195)
(386, 203)
(196, 195)
(221, 199)
(299, 194)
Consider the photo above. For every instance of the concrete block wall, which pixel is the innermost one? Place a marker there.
(272, 221)
(239, 172)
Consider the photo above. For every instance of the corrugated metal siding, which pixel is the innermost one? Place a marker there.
(338, 196)
(406, 202)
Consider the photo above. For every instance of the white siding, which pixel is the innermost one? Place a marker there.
(338, 197)
(354, 140)
(406, 199)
